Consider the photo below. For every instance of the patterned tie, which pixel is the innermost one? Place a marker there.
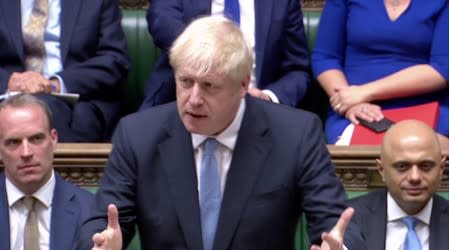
(31, 235)
(210, 193)
(33, 36)
(411, 241)
(232, 10)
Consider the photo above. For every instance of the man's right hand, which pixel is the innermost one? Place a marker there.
(28, 82)
(111, 237)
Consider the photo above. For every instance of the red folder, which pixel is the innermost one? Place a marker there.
(427, 113)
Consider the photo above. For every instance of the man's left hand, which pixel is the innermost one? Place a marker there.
(333, 240)
(258, 93)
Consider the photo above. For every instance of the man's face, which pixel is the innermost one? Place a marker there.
(412, 169)
(207, 104)
(26, 146)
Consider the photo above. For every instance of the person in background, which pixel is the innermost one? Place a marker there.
(39, 209)
(274, 30)
(52, 47)
(220, 169)
(375, 55)
(408, 214)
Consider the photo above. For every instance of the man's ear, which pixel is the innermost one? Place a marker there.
(442, 165)
(380, 168)
(245, 85)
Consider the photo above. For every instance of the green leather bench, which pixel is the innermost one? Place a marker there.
(144, 55)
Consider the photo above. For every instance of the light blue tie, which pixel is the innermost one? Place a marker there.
(411, 239)
(210, 193)
(232, 10)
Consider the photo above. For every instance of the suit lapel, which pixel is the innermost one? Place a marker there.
(4, 215)
(439, 222)
(11, 12)
(182, 180)
(263, 12)
(69, 14)
(63, 217)
(248, 159)
(376, 222)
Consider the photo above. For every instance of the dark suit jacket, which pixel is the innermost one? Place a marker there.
(371, 215)
(280, 168)
(69, 209)
(282, 59)
(93, 52)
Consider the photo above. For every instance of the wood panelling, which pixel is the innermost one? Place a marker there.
(84, 164)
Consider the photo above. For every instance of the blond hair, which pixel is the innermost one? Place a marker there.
(213, 44)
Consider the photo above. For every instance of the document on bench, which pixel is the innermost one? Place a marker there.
(70, 98)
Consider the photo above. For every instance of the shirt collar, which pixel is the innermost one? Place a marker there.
(395, 212)
(43, 194)
(229, 136)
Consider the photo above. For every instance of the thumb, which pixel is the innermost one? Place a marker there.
(113, 217)
(343, 221)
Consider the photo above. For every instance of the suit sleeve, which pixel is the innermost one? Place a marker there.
(329, 49)
(323, 197)
(165, 21)
(117, 187)
(97, 59)
(293, 76)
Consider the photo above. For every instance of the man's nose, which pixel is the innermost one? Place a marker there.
(196, 96)
(414, 174)
(26, 149)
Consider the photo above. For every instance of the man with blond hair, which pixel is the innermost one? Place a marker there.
(218, 169)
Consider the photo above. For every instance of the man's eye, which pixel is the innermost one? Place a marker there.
(426, 166)
(401, 166)
(12, 143)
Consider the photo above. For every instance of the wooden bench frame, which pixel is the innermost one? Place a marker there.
(84, 163)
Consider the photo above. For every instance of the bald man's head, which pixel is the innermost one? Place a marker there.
(411, 164)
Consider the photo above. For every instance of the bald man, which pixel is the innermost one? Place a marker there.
(411, 165)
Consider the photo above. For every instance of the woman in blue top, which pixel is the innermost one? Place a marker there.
(373, 55)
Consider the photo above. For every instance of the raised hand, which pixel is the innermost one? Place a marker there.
(111, 237)
(334, 239)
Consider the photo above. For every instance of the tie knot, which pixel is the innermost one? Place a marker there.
(410, 222)
(210, 145)
(29, 201)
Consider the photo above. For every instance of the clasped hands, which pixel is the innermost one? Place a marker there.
(353, 102)
(111, 237)
(31, 82)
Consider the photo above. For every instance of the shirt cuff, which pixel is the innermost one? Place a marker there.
(62, 87)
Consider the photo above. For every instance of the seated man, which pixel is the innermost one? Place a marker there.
(38, 208)
(218, 168)
(408, 213)
(55, 46)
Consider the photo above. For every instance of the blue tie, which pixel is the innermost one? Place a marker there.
(232, 10)
(411, 239)
(210, 193)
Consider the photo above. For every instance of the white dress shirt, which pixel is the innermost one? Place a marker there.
(53, 62)
(397, 230)
(248, 27)
(18, 213)
(227, 140)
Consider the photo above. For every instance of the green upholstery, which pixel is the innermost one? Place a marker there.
(143, 55)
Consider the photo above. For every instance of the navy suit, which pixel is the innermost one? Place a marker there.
(280, 169)
(94, 58)
(282, 60)
(69, 209)
(371, 215)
